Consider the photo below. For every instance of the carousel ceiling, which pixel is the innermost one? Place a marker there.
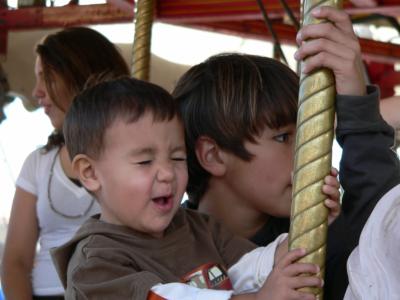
(239, 17)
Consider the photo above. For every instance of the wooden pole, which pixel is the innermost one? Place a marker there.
(313, 157)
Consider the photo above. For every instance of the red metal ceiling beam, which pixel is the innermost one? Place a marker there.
(372, 50)
(70, 15)
(190, 11)
(218, 10)
(171, 11)
(243, 15)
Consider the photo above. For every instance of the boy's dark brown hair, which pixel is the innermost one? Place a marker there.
(231, 98)
(97, 107)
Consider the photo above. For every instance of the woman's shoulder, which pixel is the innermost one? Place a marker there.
(35, 163)
(40, 155)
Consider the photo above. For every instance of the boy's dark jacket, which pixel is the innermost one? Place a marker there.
(368, 169)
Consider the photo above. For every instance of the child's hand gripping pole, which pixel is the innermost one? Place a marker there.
(313, 157)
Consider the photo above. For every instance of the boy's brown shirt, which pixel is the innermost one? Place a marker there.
(106, 261)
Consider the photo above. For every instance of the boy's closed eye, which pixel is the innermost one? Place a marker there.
(144, 162)
(179, 158)
(178, 154)
(149, 161)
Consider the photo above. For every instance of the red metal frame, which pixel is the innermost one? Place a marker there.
(69, 15)
(232, 10)
(183, 11)
(372, 50)
(241, 17)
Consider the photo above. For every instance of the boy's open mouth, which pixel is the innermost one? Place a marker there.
(163, 203)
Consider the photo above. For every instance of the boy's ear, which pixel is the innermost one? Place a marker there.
(82, 165)
(210, 156)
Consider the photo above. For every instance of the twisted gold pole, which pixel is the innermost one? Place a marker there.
(313, 158)
(142, 41)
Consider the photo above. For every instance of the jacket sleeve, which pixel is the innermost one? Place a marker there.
(247, 276)
(250, 272)
(368, 169)
(99, 278)
(182, 291)
(231, 247)
(369, 166)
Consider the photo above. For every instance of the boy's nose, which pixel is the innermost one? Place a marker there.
(165, 173)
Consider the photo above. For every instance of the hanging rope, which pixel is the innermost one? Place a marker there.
(142, 42)
(278, 53)
(313, 159)
(290, 14)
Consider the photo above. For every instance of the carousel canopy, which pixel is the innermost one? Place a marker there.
(239, 17)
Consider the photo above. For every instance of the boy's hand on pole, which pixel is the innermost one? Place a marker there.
(285, 280)
(333, 45)
(331, 189)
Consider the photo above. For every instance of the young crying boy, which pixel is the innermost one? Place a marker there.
(126, 141)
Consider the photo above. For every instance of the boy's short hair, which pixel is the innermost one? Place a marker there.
(97, 107)
(231, 98)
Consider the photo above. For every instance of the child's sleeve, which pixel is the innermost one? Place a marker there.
(29, 174)
(251, 271)
(231, 247)
(182, 291)
(369, 166)
(246, 276)
(99, 278)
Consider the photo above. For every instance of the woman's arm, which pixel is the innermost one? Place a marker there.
(20, 247)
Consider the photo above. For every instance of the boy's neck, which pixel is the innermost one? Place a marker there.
(234, 213)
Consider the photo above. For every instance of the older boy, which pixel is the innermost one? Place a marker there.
(127, 144)
(239, 114)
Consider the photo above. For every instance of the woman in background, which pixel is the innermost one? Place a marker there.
(49, 203)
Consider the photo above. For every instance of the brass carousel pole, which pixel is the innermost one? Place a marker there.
(141, 44)
(313, 157)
